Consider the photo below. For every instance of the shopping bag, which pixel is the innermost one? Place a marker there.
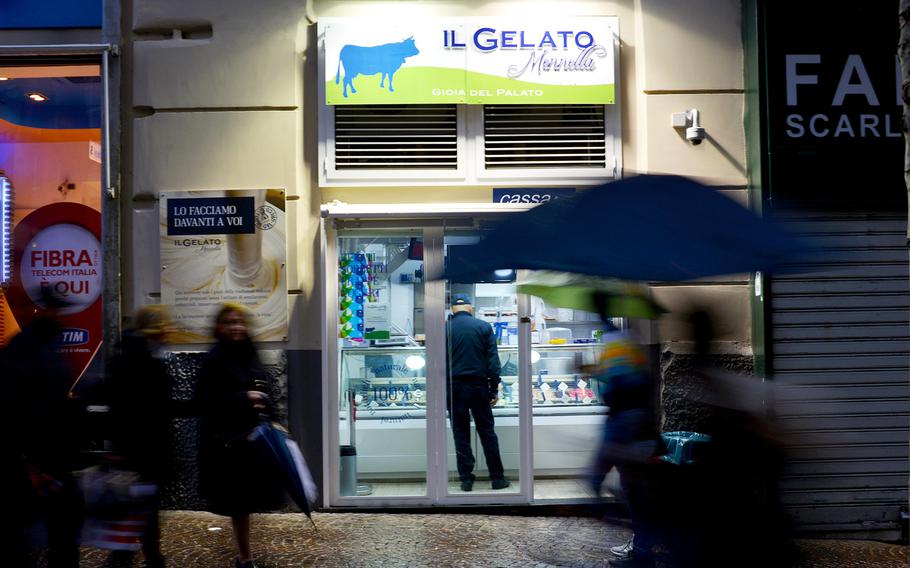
(117, 505)
(124, 533)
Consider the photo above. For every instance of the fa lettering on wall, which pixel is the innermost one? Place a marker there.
(837, 97)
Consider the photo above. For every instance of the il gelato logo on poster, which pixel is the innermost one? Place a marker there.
(545, 52)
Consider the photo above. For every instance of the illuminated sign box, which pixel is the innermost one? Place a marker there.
(566, 60)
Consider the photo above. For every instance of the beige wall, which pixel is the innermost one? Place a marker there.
(219, 111)
(237, 110)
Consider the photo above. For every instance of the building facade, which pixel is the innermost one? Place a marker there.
(212, 103)
(332, 187)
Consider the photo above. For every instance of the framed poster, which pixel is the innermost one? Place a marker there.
(224, 246)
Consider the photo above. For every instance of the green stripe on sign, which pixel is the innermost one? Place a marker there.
(429, 85)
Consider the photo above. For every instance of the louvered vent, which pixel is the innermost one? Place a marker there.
(396, 137)
(544, 136)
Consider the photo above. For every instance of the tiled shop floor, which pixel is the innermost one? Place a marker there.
(202, 540)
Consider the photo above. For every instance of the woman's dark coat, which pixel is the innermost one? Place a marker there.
(233, 479)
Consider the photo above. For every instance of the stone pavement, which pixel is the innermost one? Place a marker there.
(203, 540)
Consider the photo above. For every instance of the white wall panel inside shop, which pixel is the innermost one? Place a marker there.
(841, 352)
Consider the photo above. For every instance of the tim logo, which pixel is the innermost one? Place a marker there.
(384, 59)
(72, 336)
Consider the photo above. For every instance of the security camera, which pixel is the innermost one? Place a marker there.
(695, 135)
(689, 120)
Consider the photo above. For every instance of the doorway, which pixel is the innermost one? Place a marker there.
(389, 383)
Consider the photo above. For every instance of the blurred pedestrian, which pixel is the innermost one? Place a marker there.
(736, 478)
(40, 440)
(474, 389)
(138, 392)
(630, 440)
(231, 385)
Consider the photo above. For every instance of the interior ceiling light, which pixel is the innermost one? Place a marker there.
(37, 97)
(4, 78)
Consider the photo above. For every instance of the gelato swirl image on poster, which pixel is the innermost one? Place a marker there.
(224, 246)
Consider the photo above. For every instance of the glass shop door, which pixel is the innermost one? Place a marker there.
(488, 434)
(390, 394)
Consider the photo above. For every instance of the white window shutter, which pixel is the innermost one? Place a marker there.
(396, 137)
(544, 136)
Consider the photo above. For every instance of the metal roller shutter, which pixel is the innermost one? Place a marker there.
(840, 341)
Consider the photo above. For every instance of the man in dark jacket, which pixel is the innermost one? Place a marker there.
(474, 372)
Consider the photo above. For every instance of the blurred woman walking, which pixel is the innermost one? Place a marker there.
(231, 384)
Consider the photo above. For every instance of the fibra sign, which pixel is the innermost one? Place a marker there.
(469, 60)
(58, 247)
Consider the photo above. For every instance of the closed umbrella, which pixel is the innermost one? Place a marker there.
(647, 228)
(283, 457)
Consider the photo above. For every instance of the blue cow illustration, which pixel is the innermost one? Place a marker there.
(384, 59)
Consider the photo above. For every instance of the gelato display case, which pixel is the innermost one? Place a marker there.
(383, 409)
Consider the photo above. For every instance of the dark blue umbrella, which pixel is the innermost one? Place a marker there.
(282, 457)
(648, 227)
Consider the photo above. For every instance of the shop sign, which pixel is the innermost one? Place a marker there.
(94, 151)
(58, 246)
(530, 195)
(67, 258)
(224, 246)
(28, 14)
(469, 61)
(834, 107)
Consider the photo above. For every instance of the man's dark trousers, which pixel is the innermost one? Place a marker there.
(471, 394)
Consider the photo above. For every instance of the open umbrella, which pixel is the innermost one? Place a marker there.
(283, 457)
(649, 227)
(564, 290)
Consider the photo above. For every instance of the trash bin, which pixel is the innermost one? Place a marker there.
(684, 448)
(348, 470)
